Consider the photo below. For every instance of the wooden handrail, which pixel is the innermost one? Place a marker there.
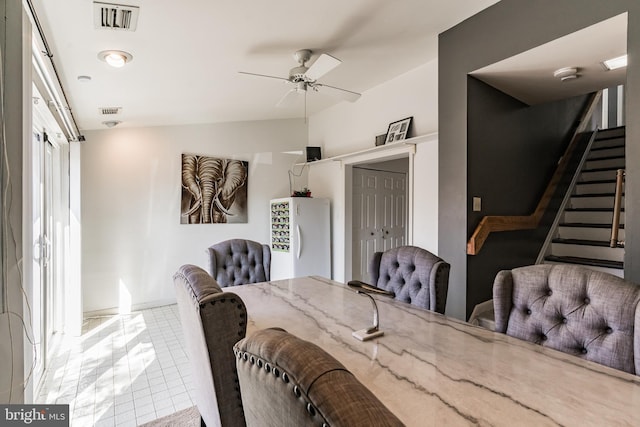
(492, 223)
(617, 205)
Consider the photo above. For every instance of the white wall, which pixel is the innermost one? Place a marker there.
(347, 128)
(132, 239)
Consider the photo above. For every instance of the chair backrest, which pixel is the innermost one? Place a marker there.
(212, 321)
(239, 262)
(576, 310)
(289, 382)
(414, 274)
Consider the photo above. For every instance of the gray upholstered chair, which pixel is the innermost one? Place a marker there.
(573, 309)
(239, 262)
(212, 321)
(415, 276)
(289, 382)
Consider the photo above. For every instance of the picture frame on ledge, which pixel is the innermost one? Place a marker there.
(398, 130)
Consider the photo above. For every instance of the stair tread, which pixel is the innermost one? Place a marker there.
(587, 225)
(582, 242)
(608, 147)
(586, 261)
(597, 181)
(592, 209)
(605, 158)
(594, 195)
(600, 169)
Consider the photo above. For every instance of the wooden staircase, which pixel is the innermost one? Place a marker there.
(583, 233)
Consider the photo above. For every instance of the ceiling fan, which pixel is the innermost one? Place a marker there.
(304, 78)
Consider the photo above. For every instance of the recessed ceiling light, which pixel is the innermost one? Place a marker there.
(567, 73)
(615, 63)
(111, 123)
(115, 58)
(84, 79)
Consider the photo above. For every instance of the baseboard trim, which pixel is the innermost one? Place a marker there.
(136, 307)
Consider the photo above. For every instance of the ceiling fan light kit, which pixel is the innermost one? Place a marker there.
(304, 78)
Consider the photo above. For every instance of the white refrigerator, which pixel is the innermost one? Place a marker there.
(300, 237)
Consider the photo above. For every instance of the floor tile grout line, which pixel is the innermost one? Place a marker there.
(90, 364)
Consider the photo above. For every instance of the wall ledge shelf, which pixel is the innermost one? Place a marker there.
(378, 149)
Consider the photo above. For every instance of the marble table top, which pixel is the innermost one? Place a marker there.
(431, 370)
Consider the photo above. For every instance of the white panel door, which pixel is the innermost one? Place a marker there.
(379, 215)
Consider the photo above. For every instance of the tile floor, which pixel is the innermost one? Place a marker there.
(125, 370)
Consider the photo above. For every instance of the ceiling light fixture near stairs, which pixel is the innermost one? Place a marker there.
(115, 58)
(567, 73)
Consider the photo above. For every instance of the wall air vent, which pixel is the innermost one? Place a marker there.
(108, 111)
(115, 16)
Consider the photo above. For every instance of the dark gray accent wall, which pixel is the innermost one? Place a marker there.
(503, 30)
(513, 150)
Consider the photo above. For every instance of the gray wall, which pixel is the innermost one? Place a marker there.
(513, 150)
(499, 32)
(15, 44)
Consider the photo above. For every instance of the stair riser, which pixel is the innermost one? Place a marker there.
(591, 217)
(610, 152)
(595, 188)
(585, 233)
(617, 163)
(597, 175)
(611, 132)
(614, 271)
(607, 142)
(593, 202)
(585, 251)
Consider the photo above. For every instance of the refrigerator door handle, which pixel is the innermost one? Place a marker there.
(299, 240)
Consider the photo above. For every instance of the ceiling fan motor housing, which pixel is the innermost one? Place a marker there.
(297, 74)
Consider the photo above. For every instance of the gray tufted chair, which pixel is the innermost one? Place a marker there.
(415, 276)
(212, 321)
(289, 382)
(239, 262)
(573, 309)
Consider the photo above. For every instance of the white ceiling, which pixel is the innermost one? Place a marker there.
(529, 75)
(187, 54)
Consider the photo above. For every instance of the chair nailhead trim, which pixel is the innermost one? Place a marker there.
(243, 355)
(311, 410)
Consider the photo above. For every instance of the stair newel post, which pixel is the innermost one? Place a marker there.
(617, 202)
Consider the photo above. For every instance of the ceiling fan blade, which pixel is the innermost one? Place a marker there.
(345, 94)
(263, 75)
(322, 66)
(288, 99)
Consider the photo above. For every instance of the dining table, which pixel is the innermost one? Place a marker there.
(434, 370)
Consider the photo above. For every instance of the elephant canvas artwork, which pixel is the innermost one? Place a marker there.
(213, 190)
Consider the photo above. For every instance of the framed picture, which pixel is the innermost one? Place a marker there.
(398, 130)
(214, 190)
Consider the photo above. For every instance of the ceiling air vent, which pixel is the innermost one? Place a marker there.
(115, 16)
(108, 111)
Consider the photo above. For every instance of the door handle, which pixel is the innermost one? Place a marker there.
(299, 240)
